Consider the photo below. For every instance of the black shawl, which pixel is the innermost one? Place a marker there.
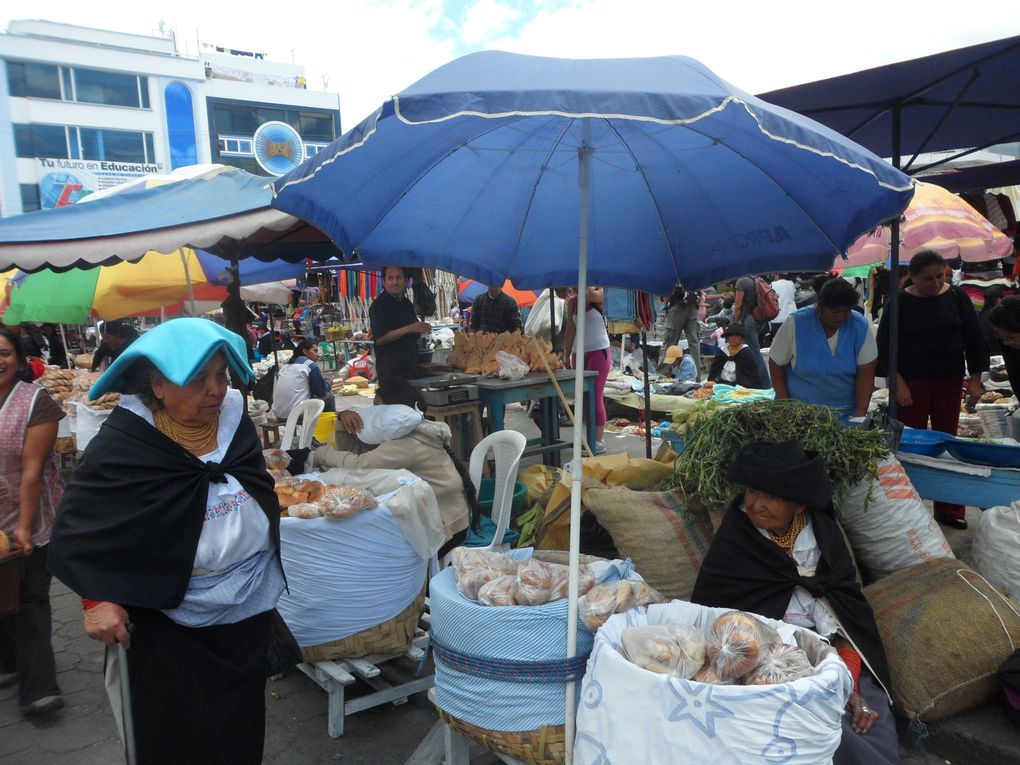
(746, 571)
(748, 374)
(128, 526)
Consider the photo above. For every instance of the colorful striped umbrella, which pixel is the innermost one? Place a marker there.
(935, 219)
(469, 289)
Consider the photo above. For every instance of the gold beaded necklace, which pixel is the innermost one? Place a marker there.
(786, 541)
(191, 437)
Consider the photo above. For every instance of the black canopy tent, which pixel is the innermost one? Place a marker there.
(958, 101)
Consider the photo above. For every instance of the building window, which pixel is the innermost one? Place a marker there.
(32, 80)
(112, 145)
(40, 141)
(234, 146)
(91, 86)
(60, 142)
(29, 197)
(311, 148)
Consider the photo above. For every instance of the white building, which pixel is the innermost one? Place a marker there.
(83, 109)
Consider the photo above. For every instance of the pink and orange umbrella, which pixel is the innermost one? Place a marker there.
(935, 219)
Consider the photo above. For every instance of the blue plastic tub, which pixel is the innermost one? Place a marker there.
(930, 443)
(993, 455)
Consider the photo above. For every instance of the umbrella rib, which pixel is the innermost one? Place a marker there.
(534, 190)
(658, 210)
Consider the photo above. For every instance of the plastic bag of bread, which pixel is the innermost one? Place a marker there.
(276, 459)
(780, 663)
(615, 597)
(289, 492)
(498, 591)
(533, 583)
(279, 475)
(471, 581)
(641, 595)
(667, 649)
(467, 558)
(342, 501)
(304, 510)
(561, 581)
(737, 642)
(707, 674)
(358, 380)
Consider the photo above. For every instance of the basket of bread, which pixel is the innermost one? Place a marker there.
(679, 682)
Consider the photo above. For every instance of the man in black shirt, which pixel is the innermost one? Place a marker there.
(395, 328)
(495, 311)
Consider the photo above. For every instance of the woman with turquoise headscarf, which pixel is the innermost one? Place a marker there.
(826, 353)
(169, 531)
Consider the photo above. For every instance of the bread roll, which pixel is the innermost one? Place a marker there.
(498, 591)
(276, 459)
(470, 582)
(304, 510)
(736, 642)
(780, 663)
(667, 649)
(707, 674)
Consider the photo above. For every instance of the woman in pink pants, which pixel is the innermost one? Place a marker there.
(596, 353)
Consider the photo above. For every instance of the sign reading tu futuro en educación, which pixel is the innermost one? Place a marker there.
(65, 181)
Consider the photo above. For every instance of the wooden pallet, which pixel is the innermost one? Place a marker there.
(334, 677)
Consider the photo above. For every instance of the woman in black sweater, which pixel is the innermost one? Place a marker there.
(938, 331)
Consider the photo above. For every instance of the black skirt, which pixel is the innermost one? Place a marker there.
(198, 694)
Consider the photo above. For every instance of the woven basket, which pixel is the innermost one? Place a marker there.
(544, 746)
(392, 636)
(12, 569)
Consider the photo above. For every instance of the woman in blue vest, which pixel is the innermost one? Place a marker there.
(826, 353)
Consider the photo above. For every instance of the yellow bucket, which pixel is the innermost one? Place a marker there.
(325, 428)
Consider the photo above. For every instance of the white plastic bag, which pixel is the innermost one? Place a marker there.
(511, 367)
(387, 422)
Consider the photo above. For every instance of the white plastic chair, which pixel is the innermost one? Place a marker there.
(301, 426)
(507, 446)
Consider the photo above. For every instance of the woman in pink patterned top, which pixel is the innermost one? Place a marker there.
(30, 490)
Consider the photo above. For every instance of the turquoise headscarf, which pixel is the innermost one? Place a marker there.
(178, 349)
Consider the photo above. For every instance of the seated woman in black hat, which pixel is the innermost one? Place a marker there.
(780, 553)
(735, 362)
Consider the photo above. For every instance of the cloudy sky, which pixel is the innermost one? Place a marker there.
(366, 51)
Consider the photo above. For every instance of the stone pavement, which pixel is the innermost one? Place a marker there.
(83, 733)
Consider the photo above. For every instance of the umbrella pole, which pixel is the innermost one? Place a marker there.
(584, 182)
(648, 395)
(67, 356)
(187, 280)
(892, 302)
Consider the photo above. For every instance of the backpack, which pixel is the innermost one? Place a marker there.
(767, 306)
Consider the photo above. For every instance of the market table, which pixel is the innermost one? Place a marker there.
(945, 479)
(495, 394)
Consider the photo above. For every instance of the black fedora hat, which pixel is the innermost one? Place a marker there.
(783, 470)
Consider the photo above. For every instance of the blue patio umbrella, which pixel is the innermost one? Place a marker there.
(474, 169)
(630, 173)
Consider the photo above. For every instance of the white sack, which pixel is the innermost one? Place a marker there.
(630, 715)
(892, 529)
(996, 548)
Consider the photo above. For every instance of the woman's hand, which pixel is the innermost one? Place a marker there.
(351, 421)
(862, 716)
(903, 395)
(108, 622)
(974, 388)
(23, 539)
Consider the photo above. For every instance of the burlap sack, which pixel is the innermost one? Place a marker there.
(946, 632)
(664, 537)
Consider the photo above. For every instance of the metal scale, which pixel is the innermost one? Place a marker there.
(446, 389)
